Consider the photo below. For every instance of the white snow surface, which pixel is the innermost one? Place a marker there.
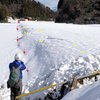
(90, 92)
(52, 60)
(11, 20)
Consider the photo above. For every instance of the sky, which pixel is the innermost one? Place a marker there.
(49, 3)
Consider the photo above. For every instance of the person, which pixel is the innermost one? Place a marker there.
(17, 88)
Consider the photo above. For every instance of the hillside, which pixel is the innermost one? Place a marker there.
(79, 11)
(25, 8)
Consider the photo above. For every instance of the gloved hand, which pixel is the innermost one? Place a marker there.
(22, 62)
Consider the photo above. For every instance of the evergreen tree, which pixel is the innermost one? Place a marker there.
(3, 13)
(26, 8)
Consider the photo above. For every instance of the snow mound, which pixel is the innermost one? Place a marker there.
(77, 68)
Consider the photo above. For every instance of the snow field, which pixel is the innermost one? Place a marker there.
(52, 60)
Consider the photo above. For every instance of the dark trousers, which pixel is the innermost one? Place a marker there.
(16, 90)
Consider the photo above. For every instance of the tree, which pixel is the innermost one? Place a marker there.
(25, 8)
(3, 13)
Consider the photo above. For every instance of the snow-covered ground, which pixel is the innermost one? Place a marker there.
(90, 92)
(59, 56)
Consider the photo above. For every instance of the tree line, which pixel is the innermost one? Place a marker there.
(25, 8)
(78, 11)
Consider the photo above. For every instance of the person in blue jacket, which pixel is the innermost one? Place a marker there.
(17, 89)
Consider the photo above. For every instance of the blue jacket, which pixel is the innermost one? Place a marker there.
(17, 64)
